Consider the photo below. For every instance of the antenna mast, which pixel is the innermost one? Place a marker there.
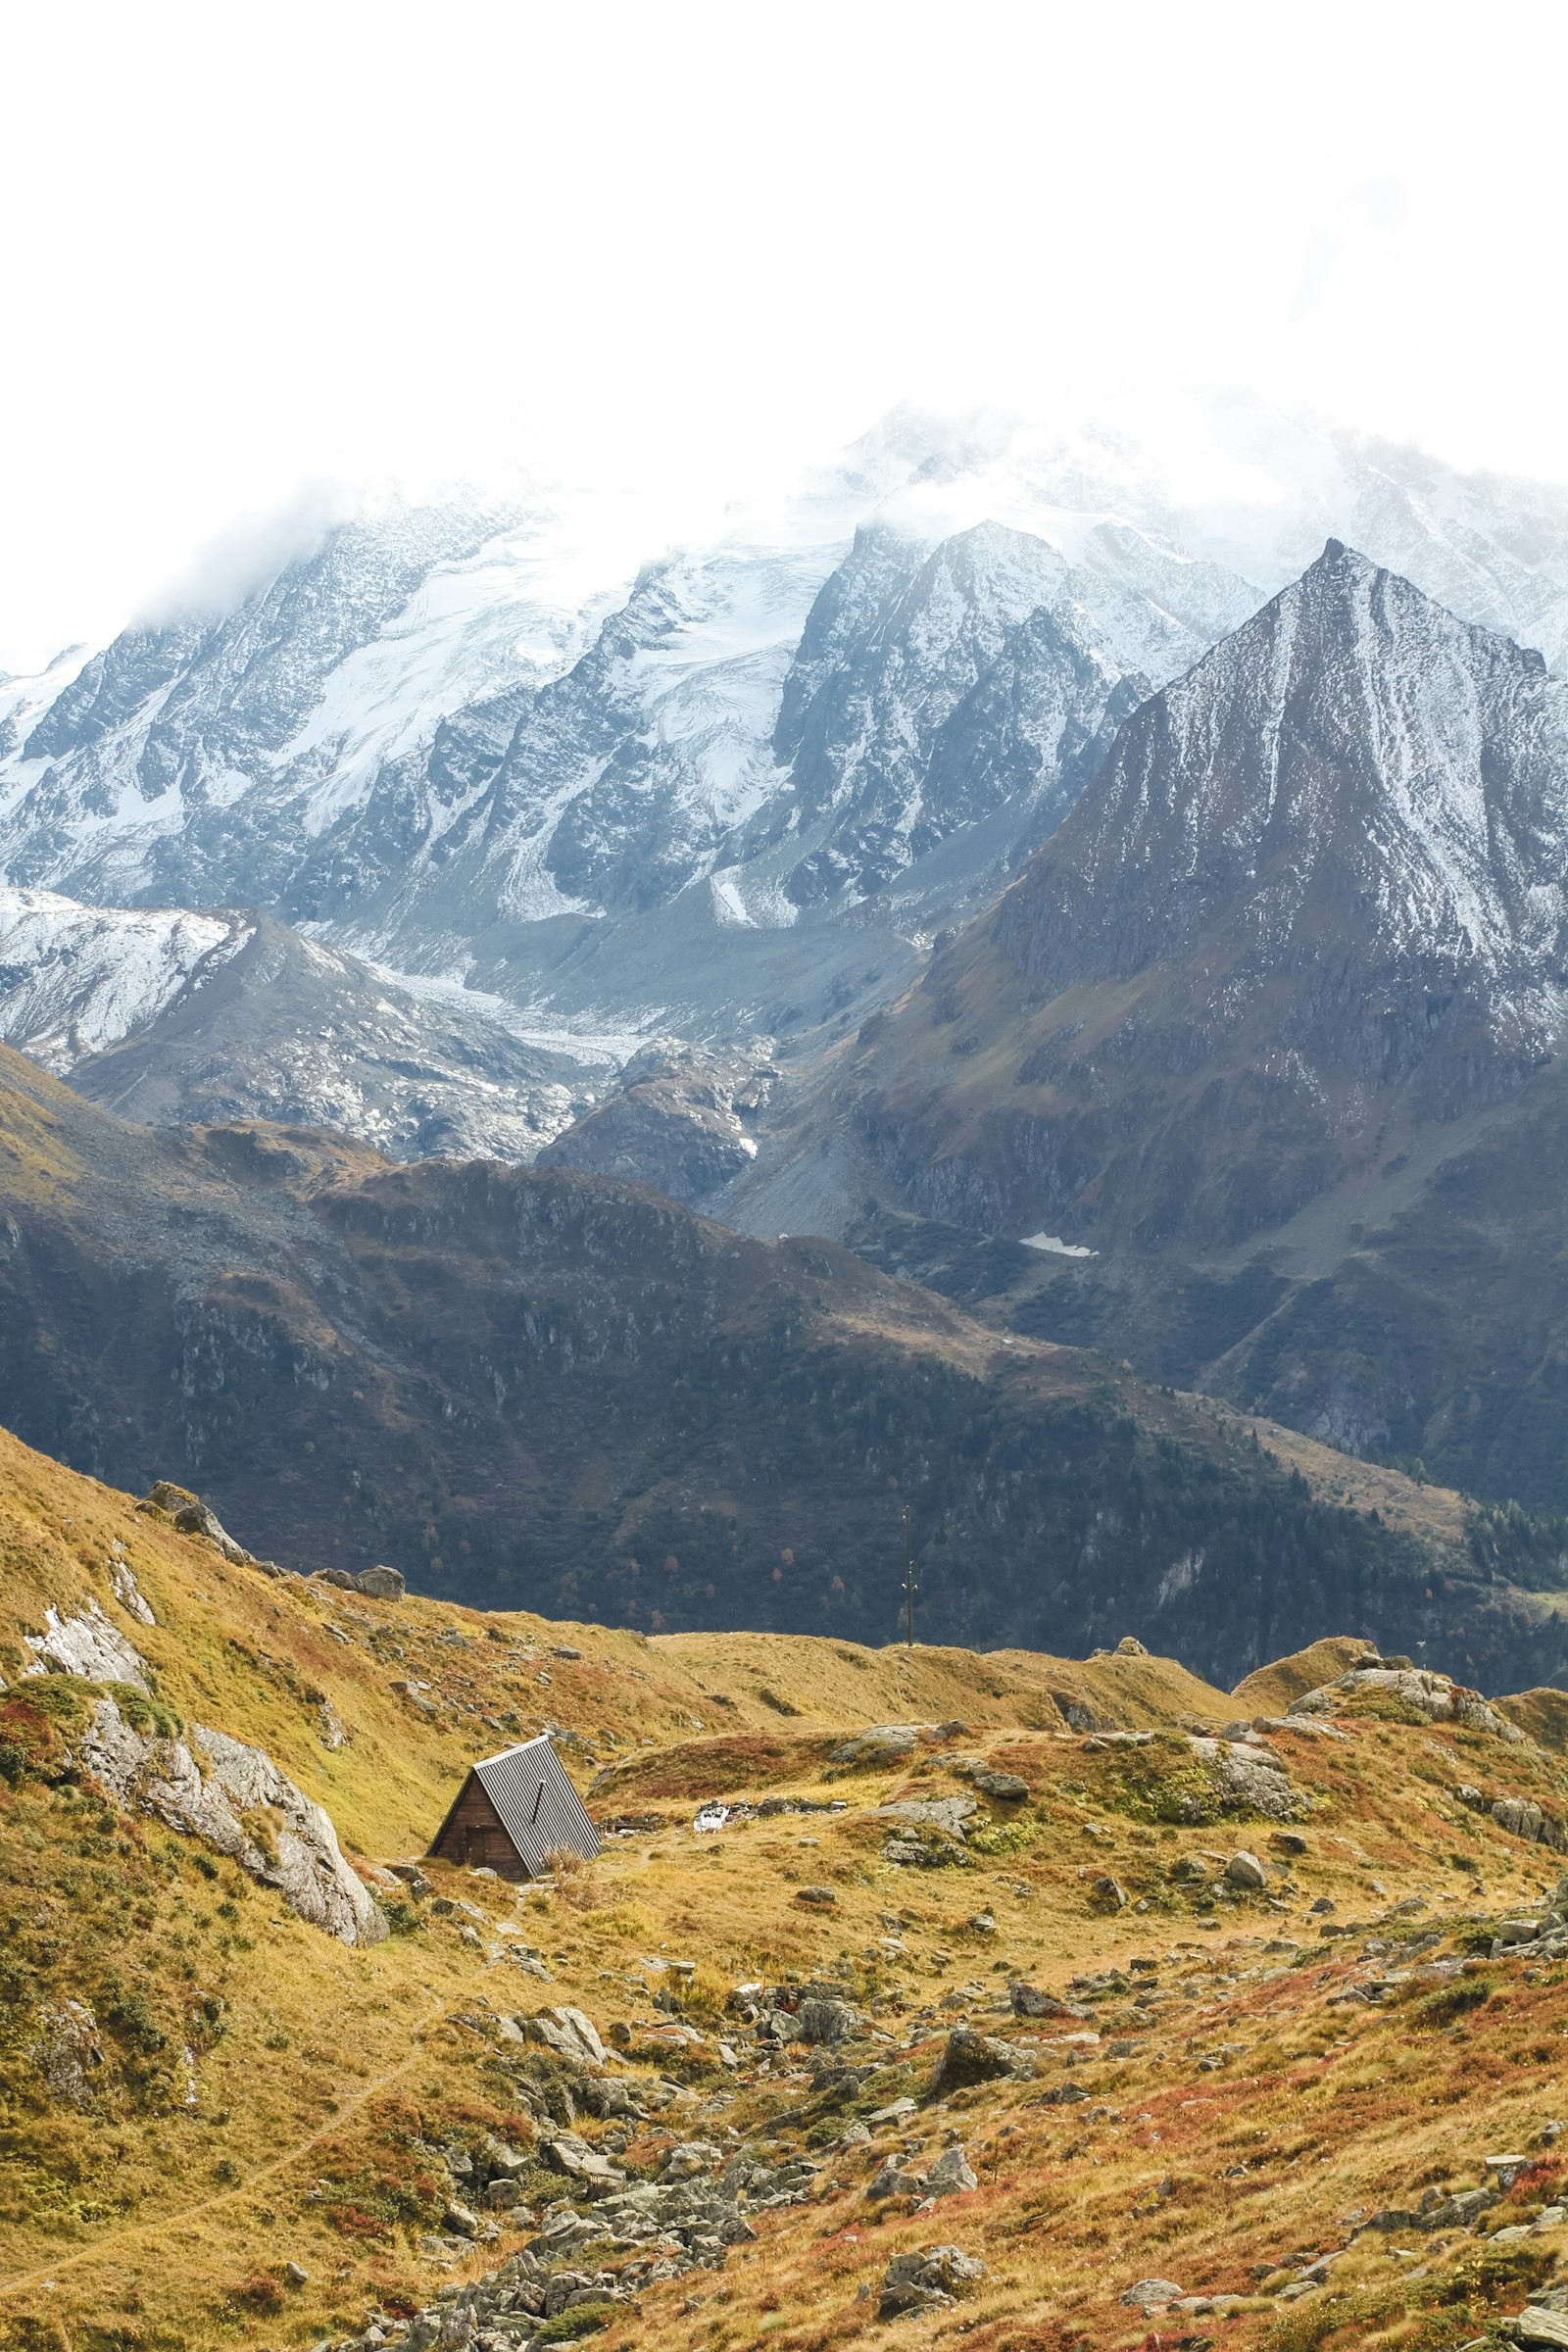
(909, 1582)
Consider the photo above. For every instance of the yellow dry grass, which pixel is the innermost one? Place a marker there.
(1229, 2123)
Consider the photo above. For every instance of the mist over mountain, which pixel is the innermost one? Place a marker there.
(735, 795)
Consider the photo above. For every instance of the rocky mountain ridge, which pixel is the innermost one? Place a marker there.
(728, 796)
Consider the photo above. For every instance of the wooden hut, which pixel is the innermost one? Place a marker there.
(513, 1811)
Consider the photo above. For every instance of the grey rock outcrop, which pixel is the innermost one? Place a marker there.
(677, 1120)
(209, 1786)
(67, 2052)
(1437, 1695)
(88, 1645)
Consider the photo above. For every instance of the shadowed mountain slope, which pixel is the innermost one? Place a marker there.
(554, 1388)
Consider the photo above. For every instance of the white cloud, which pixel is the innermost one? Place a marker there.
(250, 247)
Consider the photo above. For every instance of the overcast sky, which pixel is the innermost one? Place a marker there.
(251, 249)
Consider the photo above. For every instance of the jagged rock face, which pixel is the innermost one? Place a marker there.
(204, 760)
(933, 693)
(1322, 874)
(1356, 794)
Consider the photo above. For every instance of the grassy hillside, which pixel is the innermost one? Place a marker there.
(262, 2095)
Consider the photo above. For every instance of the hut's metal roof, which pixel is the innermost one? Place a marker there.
(538, 1807)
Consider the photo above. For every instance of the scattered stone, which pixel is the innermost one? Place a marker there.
(1128, 1646)
(296, 2274)
(816, 1898)
(1110, 1891)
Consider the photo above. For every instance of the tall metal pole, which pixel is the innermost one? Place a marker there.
(909, 1582)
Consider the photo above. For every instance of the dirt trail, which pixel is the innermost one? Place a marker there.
(47, 2271)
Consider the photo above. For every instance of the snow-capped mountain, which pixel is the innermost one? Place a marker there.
(1315, 899)
(168, 1016)
(1356, 791)
(735, 793)
(76, 980)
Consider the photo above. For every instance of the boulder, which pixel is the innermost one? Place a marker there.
(212, 1786)
(574, 2157)
(951, 2175)
(949, 1813)
(826, 2019)
(1031, 2000)
(1247, 1871)
(1128, 1646)
(568, 2032)
(883, 1743)
(970, 2057)
(816, 1898)
(1111, 1892)
(892, 2181)
(1148, 2293)
(926, 2279)
(193, 1517)
(1536, 2324)
(381, 1583)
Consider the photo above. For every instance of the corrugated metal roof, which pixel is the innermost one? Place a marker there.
(539, 1809)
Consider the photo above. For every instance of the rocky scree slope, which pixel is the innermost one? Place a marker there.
(168, 1017)
(1121, 2003)
(555, 1387)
